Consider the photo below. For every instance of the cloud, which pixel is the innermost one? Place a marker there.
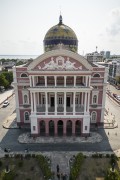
(113, 26)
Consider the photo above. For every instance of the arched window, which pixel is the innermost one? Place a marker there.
(25, 99)
(96, 75)
(94, 99)
(93, 117)
(24, 75)
(26, 116)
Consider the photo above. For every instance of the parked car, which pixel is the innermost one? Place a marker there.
(5, 104)
(115, 95)
(118, 98)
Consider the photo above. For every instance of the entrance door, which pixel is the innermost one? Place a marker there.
(52, 102)
(68, 102)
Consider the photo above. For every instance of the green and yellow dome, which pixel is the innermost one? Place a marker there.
(60, 34)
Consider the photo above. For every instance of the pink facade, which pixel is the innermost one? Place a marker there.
(60, 93)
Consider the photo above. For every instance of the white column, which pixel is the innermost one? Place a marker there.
(31, 94)
(46, 100)
(30, 81)
(89, 80)
(74, 94)
(64, 81)
(86, 80)
(85, 99)
(33, 78)
(55, 103)
(82, 99)
(64, 103)
(45, 81)
(74, 81)
(38, 98)
(88, 102)
(55, 79)
(34, 102)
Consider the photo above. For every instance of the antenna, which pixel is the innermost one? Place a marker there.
(96, 48)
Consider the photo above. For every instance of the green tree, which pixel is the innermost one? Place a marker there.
(8, 77)
(112, 175)
(19, 63)
(3, 81)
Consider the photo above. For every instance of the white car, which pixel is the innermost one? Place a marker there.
(118, 98)
(5, 104)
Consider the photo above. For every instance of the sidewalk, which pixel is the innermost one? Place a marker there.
(109, 120)
(10, 122)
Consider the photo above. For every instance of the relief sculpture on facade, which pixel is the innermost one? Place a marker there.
(59, 63)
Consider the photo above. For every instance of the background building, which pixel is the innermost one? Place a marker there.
(114, 71)
(107, 54)
(95, 56)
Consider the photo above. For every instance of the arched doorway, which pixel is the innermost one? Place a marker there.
(51, 128)
(78, 127)
(42, 128)
(60, 128)
(69, 128)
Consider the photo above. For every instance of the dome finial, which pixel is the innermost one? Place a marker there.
(60, 18)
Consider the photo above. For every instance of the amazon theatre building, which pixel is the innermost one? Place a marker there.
(60, 92)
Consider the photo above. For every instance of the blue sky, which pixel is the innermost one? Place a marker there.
(24, 23)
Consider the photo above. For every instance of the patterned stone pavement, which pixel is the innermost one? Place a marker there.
(93, 138)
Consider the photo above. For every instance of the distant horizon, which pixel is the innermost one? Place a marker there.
(19, 54)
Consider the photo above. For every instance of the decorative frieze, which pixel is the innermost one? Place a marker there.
(59, 63)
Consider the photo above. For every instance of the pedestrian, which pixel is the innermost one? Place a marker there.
(58, 175)
(57, 168)
(116, 133)
(108, 133)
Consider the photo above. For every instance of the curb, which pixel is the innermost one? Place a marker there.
(10, 127)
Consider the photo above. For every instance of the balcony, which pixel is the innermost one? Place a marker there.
(94, 105)
(38, 85)
(97, 80)
(41, 110)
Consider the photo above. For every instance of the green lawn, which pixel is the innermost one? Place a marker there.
(24, 168)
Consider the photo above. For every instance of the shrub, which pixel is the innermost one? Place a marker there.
(107, 155)
(32, 168)
(74, 172)
(44, 166)
(100, 155)
(33, 155)
(27, 156)
(20, 164)
(1, 163)
(8, 176)
(95, 155)
(17, 156)
(112, 175)
(6, 155)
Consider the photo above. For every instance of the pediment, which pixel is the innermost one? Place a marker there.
(60, 61)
